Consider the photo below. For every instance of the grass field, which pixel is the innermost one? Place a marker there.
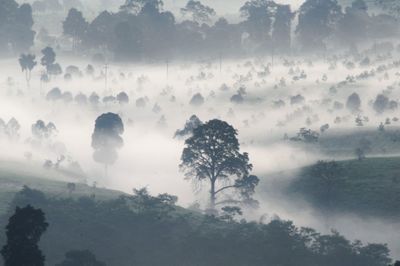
(369, 187)
(13, 176)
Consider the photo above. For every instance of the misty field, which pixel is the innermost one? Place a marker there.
(185, 132)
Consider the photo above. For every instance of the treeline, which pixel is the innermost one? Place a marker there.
(142, 29)
(140, 229)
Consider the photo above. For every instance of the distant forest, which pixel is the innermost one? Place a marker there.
(142, 29)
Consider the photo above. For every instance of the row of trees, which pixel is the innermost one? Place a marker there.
(142, 29)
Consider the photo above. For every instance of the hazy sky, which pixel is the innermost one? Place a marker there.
(224, 7)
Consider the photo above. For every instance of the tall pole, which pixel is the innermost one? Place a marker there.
(220, 63)
(106, 75)
(167, 65)
(272, 53)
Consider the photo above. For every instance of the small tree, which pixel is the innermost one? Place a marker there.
(106, 138)
(49, 57)
(27, 63)
(49, 62)
(80, 258)
(353, 103)
(212, 153)
(71, 188)
(23, 232)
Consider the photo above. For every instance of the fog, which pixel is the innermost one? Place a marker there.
(150, 155)
(268, 84)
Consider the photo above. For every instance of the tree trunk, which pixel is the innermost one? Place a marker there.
(212, 195)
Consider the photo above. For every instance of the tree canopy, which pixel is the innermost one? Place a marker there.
(213, 154)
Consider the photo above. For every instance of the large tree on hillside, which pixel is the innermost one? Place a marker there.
(27, 63)
(106, 138)
(23, 233)
(212, 154)
(317, 20)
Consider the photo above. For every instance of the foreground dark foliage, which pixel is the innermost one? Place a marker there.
(146, 230)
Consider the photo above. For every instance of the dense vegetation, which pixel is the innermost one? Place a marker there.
(146, 230)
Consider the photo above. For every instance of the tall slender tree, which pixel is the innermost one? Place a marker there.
(27, 63)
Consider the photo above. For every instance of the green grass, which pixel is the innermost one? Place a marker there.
(343, 142)
(370, 187)
(14, 175)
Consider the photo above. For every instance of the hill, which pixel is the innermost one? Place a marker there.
(15, 175)
(140, 229)
(367, 187)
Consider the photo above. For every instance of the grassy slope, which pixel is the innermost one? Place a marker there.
(344, 143)
(13, 176)
(371, 187)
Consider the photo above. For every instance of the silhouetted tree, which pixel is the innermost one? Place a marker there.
(123, 98)
(198, 12)
(75, 26)
(106, 138)
(353, 103)
(80, 258)
(15, 27)
(27, 63)
(381, 103)
(259, 16)
(41, 131)
(136, 6)
(49, 57)
(23, 232)
(49, 61)
(212, 154)
(317, 19)
(12, 129)
(190, 125)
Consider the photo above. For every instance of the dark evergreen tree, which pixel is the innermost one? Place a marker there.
(23, 232)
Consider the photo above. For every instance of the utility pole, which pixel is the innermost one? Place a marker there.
(167, 65)
(220, 63)
(106, 75)
(272, 53)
